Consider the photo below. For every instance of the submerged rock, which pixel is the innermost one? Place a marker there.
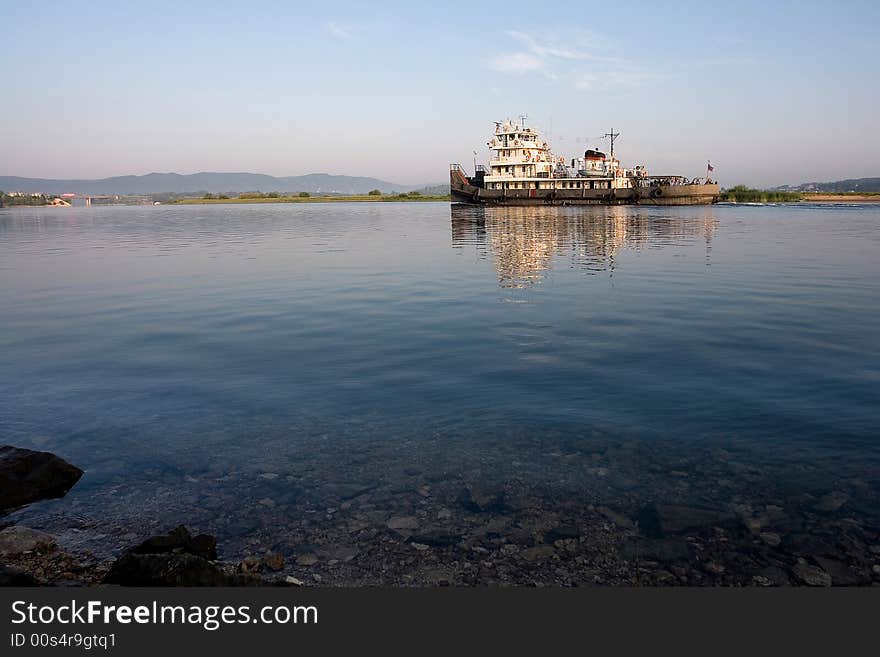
(617, 518)
(561, 533)
(771, 538)
(308, 559)
(273, 561)
(831, 502)
(659, 520)
(18, 539)
(538, 553)
(841, 573)
(269, 562)
(478, 500)
(28, 476)
(811, 575)
(437, 539)
(402, 522)
(664, 550)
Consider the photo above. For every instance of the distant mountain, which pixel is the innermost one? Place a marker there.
(157, 183)
(851, 185)
(434, 190)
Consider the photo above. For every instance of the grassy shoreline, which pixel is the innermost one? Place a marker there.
(851, 197)
(359, 198)
(743, 194)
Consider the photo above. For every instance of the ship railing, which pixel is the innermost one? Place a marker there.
(516, 159)
(667, 180)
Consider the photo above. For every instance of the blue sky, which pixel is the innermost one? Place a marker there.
(772, 93)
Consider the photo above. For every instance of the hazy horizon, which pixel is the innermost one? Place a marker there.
(771, 95)
(228, 173)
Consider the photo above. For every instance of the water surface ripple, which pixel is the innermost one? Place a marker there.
(299, 375)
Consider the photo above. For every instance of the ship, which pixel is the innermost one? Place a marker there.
(523, 170)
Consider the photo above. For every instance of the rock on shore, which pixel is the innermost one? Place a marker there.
(175, 559)
(28, 476)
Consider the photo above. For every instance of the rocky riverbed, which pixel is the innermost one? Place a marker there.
(583, 513)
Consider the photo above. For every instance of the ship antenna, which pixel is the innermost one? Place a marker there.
(612, 135)
(522, 120)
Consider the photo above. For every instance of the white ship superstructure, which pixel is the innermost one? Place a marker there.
(523, 160)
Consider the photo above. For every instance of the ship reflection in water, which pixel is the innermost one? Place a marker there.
(526, 242)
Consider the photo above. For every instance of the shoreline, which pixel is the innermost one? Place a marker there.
(807, 197)
(822, 197)
(360, 198)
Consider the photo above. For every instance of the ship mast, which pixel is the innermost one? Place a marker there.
(612, 135)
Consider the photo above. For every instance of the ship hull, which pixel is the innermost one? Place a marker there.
(706, 194)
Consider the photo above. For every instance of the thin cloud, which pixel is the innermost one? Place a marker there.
(337, 30)
(553, 48)
(517, 62)
(577, 60)
(340, 31)
(347, 31)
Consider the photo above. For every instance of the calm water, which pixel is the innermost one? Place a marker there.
(237, 366)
